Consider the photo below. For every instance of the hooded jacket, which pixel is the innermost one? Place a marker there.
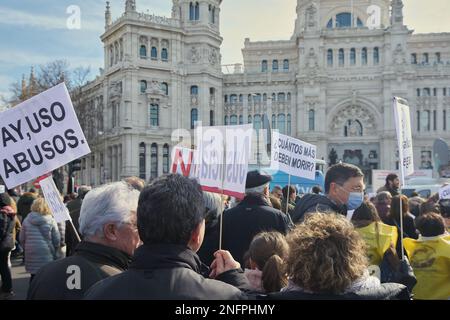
(310, 203)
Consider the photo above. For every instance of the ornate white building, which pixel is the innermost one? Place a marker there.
(331, 84)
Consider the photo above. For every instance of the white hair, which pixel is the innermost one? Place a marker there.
(259, 189)
(111, 203)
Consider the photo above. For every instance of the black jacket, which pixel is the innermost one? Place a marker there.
(96, 262)
(315, 202)
(74, 208)
(251, 216)
(387, 291)
(167, 272)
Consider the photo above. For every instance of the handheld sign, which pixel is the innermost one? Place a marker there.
(183, 162)
(444, 192)
(404, 138)
(38, 136)
(293, 156)
(2, 188)
(53, 199)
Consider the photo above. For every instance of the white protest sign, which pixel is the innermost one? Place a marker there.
(404, 138)
(183, 161)
(222, 158)
(2, 188)
(293, 156)
(444, 192)
(53, 199)
(38, 136)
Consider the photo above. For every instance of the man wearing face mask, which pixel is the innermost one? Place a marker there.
(344, 191)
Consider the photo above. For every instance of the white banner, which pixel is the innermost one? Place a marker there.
(404, 138)
(444, 192)
(53, 199)
(183, 162)
(38, 136)
(293, 156)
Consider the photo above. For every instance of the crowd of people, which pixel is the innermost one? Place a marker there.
(171, 240)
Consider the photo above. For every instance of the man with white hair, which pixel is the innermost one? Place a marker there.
(251, 216)
(110, 236)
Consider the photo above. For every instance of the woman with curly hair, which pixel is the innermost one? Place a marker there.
(327, 260)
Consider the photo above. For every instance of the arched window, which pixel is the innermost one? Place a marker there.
(225, 98)
(233, 120)
(197, 11)
(241, 98)
(275, 65)
(376, 56)
(241, 119)
(286, 65)
(281, 96)
(330, 57)
(211, 118)
(353, 128)
(344, 20)
(154, 53)
(282, 123)
(364, 56)
(274, 121)
(233, 98)
(143, 86)
(166, 158)
(330, 24)
(194, 117)
(289, 124)
(311, 120)
(264, 66)
(352, 56)
(154, 161)
(165, 88)
(341, 57)
(257, 122)
(154, 115)
(164, 54)
(225, 120)
(194, 90)
(214, 15)
(142, 160)
(413, 58)
(191, 11)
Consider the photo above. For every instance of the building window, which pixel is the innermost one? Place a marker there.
(330, 57)
(164, 54)
(426, 59)
(233, 98)
(281, 97)
(434, 120)
(286, 65)
(311, 120)
(264, 97)
(425, 121)
(376, 56)
(154, 53)
(143, 86)
(154, 161)
(264, 66)
(275, 65)
(257, 122)
(241, 119)
(142, 160)
(241, 98)
(166, 158)
(289, 124)
(413, 58)
(352, 56)
(364, 56)
(444, 123)
(434, 92)
(143, 51)
(438, 57)
(444, 92)
(341, 57)
(165, 88)
(191, 11)
(154, 115)
(274, 121)
(418, 92)
(418, 120)
(194, 90)
(330, 24)
(225, 120)
(233, 120)
(343, 20)
(225, 98)
(93, 161)
(197, 11)
(282, 123)
(194, 117)
(211, 118)
(426, 92)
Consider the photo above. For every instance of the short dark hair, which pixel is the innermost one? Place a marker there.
(292, 190)
(391, 177)
(430, 224)
(316, 189)
(340, 173)
(365, 214)
(32, 190)
(169, 210)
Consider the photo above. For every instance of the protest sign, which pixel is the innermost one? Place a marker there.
(2, 188)
(38, 136)
(293, 156)
(53, 199)
(404, 138)
(183, 162)
(444, 192)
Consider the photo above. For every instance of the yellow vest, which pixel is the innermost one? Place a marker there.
(377, 245)
(430, 260)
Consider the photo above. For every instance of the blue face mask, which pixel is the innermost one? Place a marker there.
(355, 200)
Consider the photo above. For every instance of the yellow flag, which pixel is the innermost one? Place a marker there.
(430, 260)
(378, 241)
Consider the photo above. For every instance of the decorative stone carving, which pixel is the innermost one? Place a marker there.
(399, 55)
(176, 10)
(115, 89)
(357, 120)
(194, 55)
(213, 57)
(311, 16)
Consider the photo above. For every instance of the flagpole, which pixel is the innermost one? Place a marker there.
(288, 194)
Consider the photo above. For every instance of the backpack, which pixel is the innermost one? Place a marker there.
(6, 232)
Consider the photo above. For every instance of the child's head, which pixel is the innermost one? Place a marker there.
(267, 252)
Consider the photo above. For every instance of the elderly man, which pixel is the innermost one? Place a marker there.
(109, 231)
(251, 216)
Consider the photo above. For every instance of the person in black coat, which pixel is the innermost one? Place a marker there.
(251, 216)
(171, 224)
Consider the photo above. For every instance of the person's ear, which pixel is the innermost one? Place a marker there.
(196, 237)
(110, 231)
